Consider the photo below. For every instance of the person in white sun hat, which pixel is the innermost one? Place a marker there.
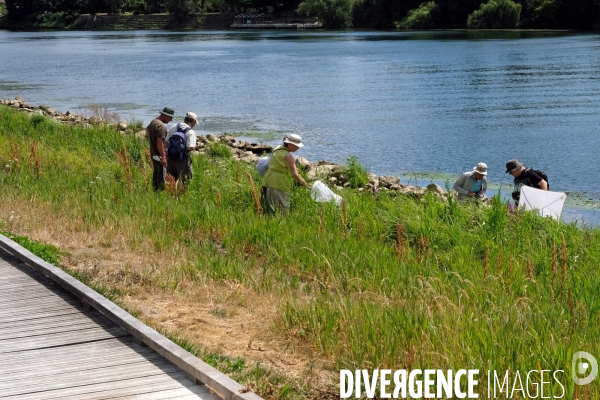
(281, 175)
(472, 184)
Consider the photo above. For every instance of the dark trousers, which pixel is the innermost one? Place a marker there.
(158, 176)
(181, 170)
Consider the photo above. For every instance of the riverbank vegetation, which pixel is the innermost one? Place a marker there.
(282, 303)
(375, 14)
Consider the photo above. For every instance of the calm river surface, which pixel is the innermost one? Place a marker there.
(433, 103)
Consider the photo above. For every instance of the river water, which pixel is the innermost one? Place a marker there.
(423, 105)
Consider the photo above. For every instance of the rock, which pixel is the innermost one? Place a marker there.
(202, 139)
(260, 148)
(436, 189)
(141, 134)
(338, 171)
(303, 163)
(250, 159)
(212, 138)
(92, 120)
(227, 139)
(43, 107)
(319, 172)
(332, 180)
(26, 105)
(238, 145)
(346, 184)
(19, 98)
(373, 179)
(123, 125)
(50, 111)
(388, 181)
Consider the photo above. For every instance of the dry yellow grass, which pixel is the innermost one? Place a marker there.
(226, 318)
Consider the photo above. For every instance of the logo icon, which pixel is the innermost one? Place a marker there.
(584, 363)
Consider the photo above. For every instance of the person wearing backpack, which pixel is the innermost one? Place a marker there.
(181, 140)
(525, 177)
(157, 131)
(281, 174)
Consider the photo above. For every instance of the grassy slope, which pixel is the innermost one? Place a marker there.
(383, 282)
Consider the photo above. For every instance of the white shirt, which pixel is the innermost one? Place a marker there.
(190, 135)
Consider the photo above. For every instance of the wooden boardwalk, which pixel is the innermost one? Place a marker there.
(51, 347)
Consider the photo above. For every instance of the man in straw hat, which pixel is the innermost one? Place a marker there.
(525, 177)
(157, 132)
(472, 184)
(282, 166)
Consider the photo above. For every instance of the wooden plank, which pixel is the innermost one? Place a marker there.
(64, 379)
(58, 305)
(79, 385)
(122, 345)
(45, 314)
(120, 389)
(53, 329)
(39, 342)
(192, 392)
(56, 320)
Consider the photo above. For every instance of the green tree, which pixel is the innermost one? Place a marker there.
(333, 13)
(183, 8)
(495, 14)
(423, 17)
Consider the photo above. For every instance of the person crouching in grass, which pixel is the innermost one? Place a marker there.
(278, 185)
(472, 184)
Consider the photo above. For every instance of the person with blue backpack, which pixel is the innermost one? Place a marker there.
(181, 140)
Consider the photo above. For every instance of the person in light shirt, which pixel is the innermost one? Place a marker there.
(182, 170)
(472, 184)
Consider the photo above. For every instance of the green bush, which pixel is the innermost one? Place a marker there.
(356, 173)
(218, 150)
(333, 13)
(495, 14)
(423, 17)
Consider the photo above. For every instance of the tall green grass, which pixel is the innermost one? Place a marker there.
(382, 282)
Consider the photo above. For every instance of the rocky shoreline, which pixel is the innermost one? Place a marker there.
(332, 174)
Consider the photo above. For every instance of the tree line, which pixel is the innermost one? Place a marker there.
(377, 14)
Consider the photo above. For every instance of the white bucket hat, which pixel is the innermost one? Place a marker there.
(481, 168)
(293, 139)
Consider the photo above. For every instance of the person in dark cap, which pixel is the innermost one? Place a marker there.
(157, 132)
(525, 177)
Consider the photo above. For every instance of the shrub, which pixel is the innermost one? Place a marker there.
(495, 14)
(356, 173)
(333, 13)
(423, 17)
(218, 150)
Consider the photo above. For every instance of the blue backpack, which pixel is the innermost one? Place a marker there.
(176, 147)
